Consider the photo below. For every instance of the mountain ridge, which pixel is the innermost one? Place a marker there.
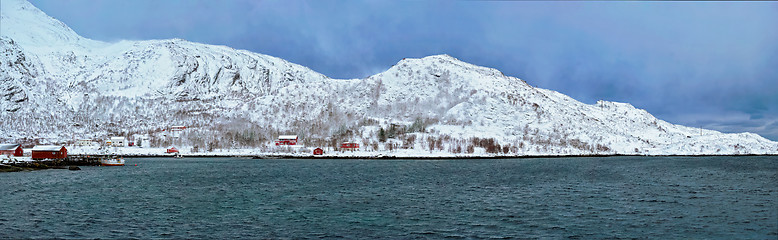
(234, 98)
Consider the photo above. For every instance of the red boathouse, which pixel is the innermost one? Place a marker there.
(11, 150)
(41, 152)
(318, 151)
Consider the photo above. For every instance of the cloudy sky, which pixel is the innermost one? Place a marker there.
(701, 64)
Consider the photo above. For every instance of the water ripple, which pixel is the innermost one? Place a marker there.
(576, 198)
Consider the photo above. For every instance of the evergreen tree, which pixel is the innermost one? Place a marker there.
(381, 135)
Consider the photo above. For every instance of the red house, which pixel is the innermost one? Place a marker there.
(349, 146)
(41, 152)
(318, 151)
(286, 140)
(11, 150)
(172, 150)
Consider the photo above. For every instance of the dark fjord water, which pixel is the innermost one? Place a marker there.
(614, 197)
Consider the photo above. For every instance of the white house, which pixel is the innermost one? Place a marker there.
(85, 142)
(117, 142)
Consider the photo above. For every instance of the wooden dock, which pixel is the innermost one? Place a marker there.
(83, 160)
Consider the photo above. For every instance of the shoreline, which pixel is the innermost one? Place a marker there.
(306, 153)
(28, 167)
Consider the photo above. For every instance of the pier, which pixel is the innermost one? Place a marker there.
(83, 160)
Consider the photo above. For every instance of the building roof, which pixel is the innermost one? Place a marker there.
(8, 146)
(285, 137)
(47, 148)
(117, 138)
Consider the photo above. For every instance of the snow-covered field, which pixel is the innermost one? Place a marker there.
(5, 159)
(306, 152)
(59, 87)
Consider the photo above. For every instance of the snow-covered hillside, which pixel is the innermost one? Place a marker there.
(56, 86)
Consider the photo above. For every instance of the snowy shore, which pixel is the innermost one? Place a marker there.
(303, 152)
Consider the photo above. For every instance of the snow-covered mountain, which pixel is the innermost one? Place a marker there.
(57, 86)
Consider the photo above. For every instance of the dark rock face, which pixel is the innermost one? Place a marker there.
(74, 168)
(15, 69)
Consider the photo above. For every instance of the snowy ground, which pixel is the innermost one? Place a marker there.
(299, 151)
(5, 159)
(306, 152)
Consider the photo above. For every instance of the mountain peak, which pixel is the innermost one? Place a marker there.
(442, 56)
(432, 58)
(29, 26)
(443, 62)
